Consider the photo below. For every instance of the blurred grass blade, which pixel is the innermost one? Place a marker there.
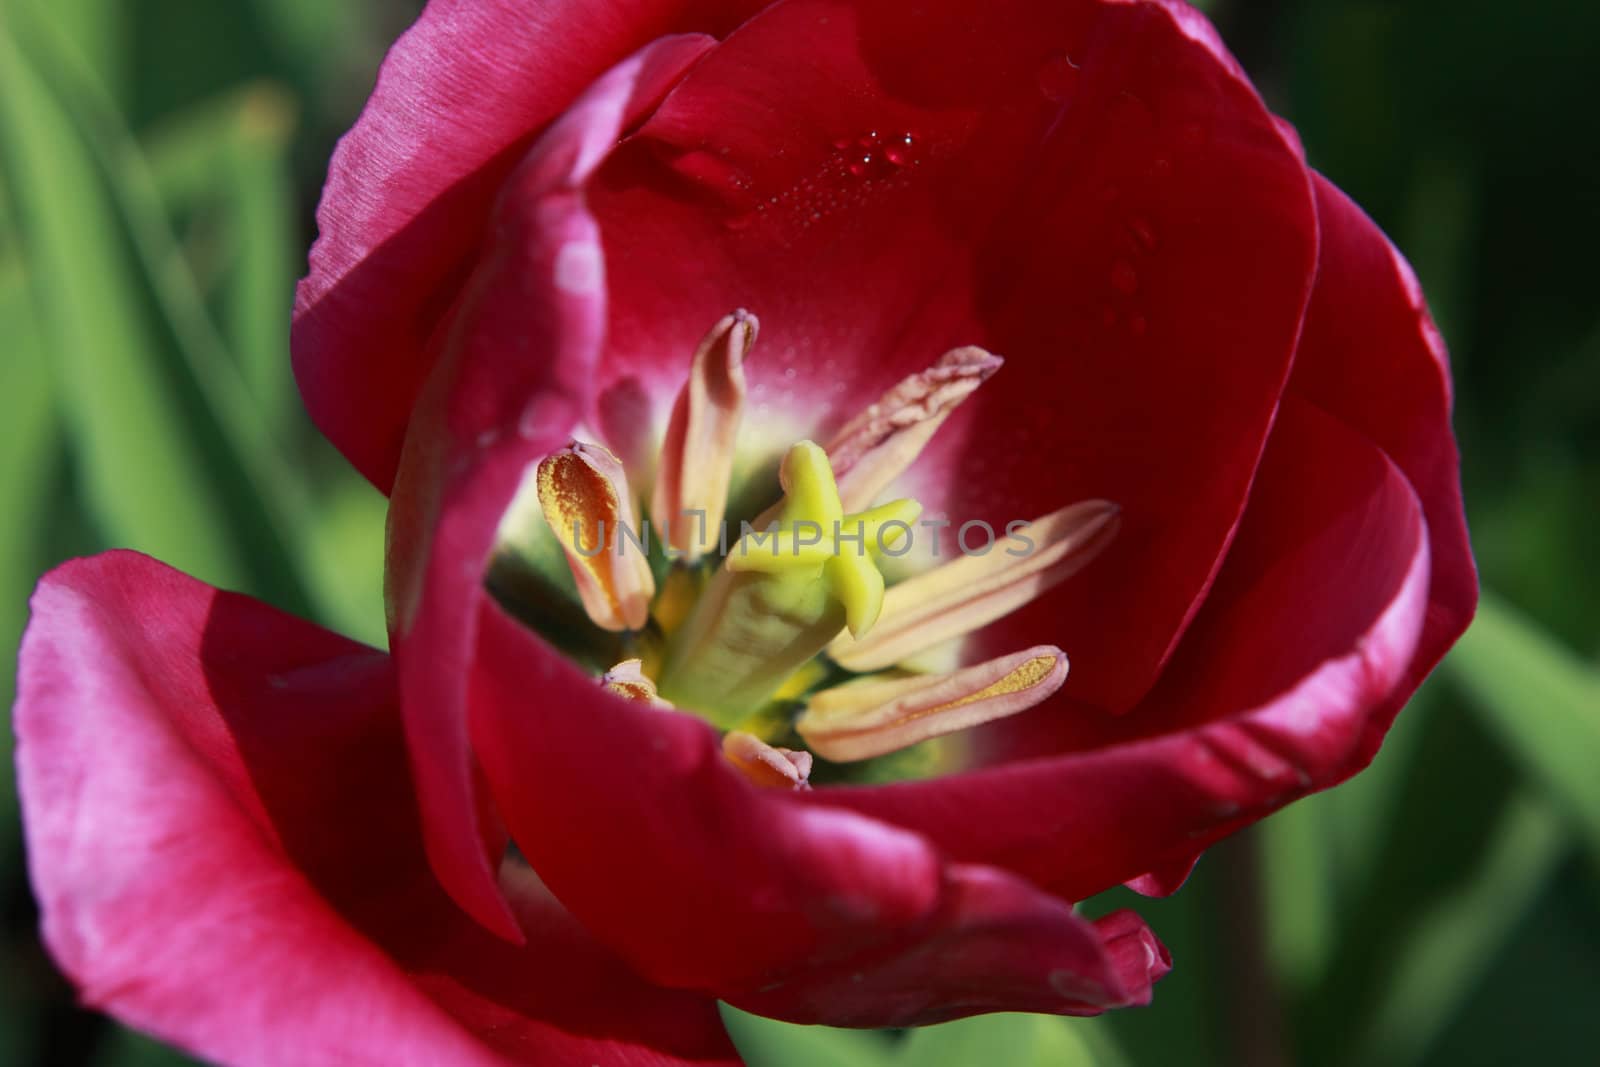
(260, 295)
(767, 1043)
(98, 29)
(1453, 944)
(28, 468)
(1542, 701)
(1297, 868)
(146, 481)
(223, 168)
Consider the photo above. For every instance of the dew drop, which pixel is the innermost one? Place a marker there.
(1123, 278)
(1057, 77)
(1142, 232)
(901, 150)
(712, 170)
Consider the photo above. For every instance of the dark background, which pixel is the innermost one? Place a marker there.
(159, 163)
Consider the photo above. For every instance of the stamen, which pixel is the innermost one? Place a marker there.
(628, 680)
(970, 592)
(691, 492)
(584, 493)
(876, 447)
(767, 765)
(866, 719)
(783, 594)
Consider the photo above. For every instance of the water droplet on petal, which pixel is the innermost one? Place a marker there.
(713, 171)
(1142, 232)
(1123, 278)
(901, 150)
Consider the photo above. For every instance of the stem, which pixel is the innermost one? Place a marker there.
(1253, 1004)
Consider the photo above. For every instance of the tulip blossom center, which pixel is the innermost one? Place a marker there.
(786, 634)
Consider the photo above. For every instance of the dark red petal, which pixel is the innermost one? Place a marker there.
(411, 186)
(1093, 192)
(222, 840)
(1290, 672)
(1372, 357)
(516, 378)
(997, 945)
(1167, 879)
(795, 911)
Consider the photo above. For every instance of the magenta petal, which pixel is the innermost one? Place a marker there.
(221, 838)
(1165, 880)
(1284, 684)
(489, 411)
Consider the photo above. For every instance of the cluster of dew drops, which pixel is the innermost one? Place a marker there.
(855, 172)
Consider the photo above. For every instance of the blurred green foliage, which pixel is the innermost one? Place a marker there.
(159, 160)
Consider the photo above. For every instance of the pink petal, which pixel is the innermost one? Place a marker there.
(1093, 192)
(1284, 683)
(774, 905)
(222, 840)
(489, 411)
(411, 187)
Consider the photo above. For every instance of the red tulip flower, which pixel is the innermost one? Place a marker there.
(1035, 301)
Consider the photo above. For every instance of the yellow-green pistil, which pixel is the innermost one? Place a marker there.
(784, 593)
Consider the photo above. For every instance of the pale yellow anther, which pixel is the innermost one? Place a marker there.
(691, 491)
(767, 765)
(870, 718)
(813, 535)
(584, 494)
(628, 681)
(879, 444)
(970, 592)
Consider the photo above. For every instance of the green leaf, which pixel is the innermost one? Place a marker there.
(1542, 702)
(1009, 1040)
(1451, 946)
(768, 1043)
